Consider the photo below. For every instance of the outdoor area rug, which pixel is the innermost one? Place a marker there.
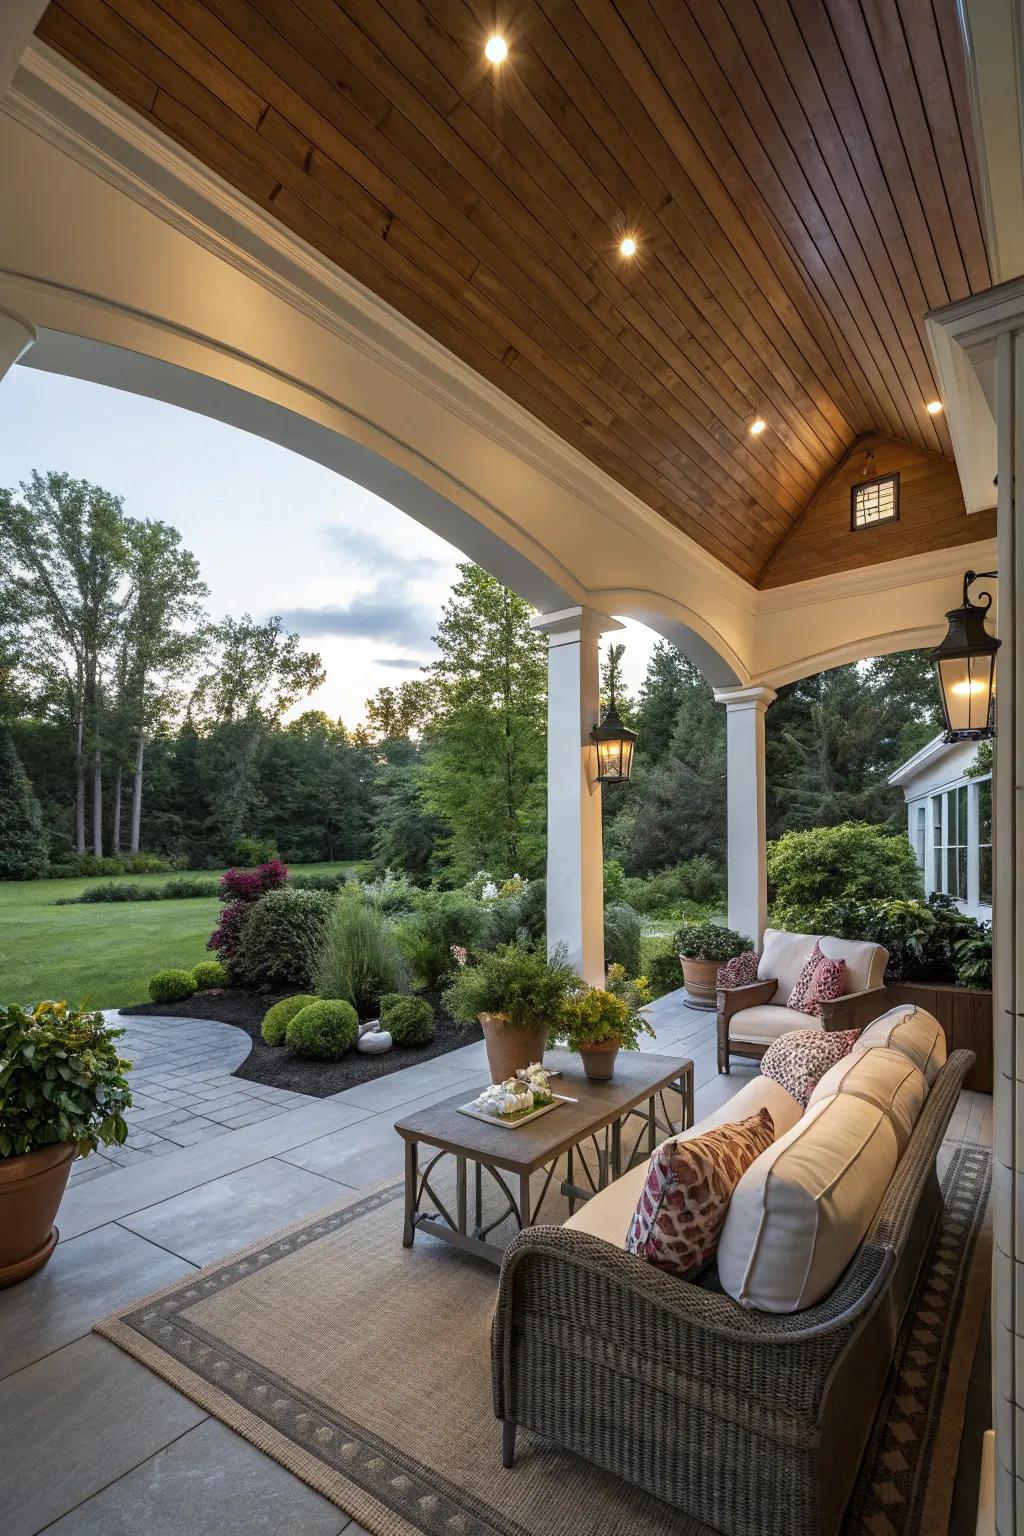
(364, 1368)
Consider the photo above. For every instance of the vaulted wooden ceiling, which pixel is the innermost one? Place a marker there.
(799, 175)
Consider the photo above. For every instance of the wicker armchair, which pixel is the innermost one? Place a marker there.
(749, 1423)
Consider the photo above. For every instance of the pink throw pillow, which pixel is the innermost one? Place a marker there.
(827, 984)
(797, 1059)
(740, 971)
(685, 1200)
(798, 997)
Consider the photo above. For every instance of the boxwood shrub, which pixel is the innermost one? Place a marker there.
(279, 940)
(408, 1020)
(276, 1019)
(208, 974)
(170, 986)
(323, 1030)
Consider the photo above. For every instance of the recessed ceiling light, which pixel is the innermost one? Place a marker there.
(757, 426)
(628, 246)
(496, 50)
(934, 407)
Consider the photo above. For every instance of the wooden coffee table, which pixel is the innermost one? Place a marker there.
(650, 1097)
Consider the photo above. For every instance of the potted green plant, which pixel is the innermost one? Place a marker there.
(63, 1091)
(599, 1022)
(702, 948)
(518, 996)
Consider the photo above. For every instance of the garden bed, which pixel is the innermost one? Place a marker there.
(278, 1067)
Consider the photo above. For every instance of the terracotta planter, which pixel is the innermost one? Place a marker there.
(510, 1049)
(598, 1059)
(31, 1188)
(699, 979)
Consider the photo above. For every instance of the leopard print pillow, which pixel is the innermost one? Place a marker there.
(685, 1200)
(797, 1059)
(798, 997)
(740, 971)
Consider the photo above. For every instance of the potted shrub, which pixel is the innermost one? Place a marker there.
(702, 948)
(63, 1091)
(518, 996)
(600, 1022)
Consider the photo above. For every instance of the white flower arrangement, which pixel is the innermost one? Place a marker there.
(517, 1096)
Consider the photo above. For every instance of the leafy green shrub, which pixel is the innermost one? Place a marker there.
(622, 933)
(280, 939)
(700, 881)
(521, 983)
(661, 967)
(318, 882)
(390, 894)
(170, 986)
(709, 941)
(443, 921)
(118, 891)
(851, 862)
(614, 882)
(276, 1019)
(323, 1030)
(974, 958)
(63, 1080)
(208, 974)
(187, 889)
(667, 893)
(359, 957)
(250, 851)
(923, 937)
(87, 864)
(408, 1020)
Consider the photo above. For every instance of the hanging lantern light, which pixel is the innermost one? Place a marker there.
(615, 743)
(966, 667)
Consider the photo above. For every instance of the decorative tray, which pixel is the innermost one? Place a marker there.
(513, 1125)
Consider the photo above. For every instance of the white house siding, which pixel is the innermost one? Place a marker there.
(948, 816)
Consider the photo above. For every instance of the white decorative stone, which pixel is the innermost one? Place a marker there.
(374, 1041)
(364, 1029)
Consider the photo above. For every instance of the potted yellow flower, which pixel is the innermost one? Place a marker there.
(601, 1021)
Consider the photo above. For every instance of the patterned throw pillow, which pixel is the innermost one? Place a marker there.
(740, 971)
(683, 1204)
(797, 1059)
(798, 997)
(827, 984)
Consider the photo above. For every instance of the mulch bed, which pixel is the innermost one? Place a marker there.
(279, 1067)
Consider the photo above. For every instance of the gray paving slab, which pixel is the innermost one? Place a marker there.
(228, 1212)
(207, 1483)
(73, 1423)
(385, 1093)
(86, 1278)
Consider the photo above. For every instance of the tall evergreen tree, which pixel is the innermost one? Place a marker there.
(679, 808)
(670, 678)
(23, 852)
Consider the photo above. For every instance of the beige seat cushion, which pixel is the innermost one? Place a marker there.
(766, 1022)
(882, 1077)
(800, 1211)
(784, 954)
(914, 1032)
(608, 1214)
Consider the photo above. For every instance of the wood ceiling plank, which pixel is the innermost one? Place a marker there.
(84, 48)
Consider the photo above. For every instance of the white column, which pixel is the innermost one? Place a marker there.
(575, 870)
(748, 881)
(16, 336)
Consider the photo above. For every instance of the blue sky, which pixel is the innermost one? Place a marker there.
(274, 533)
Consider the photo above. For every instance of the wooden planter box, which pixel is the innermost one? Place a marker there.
(966, 1019)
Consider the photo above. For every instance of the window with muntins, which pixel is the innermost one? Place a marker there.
(875, 501)
(956, 843)
(985, 842)
(921, 835)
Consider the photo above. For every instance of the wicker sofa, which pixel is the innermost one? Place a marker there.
(751, 1017)
(747, 1422)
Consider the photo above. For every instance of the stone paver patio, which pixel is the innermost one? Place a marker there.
(92, 1441)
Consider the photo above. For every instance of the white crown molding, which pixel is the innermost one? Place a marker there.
(57, 101)
(910, 570)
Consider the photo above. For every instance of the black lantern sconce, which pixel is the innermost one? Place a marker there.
(966, 667)
(615, 743)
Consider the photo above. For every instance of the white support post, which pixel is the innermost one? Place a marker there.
(748, 880)
(16, 336)
(575, 868)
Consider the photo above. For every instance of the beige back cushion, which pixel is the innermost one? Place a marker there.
(914, 1032)
(885, 1078)
(784, 954)
(802, 1208)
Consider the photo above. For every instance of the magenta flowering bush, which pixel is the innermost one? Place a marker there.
(243, 888)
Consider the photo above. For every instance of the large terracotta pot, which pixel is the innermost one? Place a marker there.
(31, 1188)
(699, 978)
(510, 1049)
(598, 1058)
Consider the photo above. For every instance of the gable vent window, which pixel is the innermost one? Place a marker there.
(875, 501)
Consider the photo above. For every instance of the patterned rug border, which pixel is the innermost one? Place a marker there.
(387, 1482)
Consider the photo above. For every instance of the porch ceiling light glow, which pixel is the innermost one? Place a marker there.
(934, 407)
(757, 426)
(496, 50)
(628, 246)
(966, 666)
(615, 743)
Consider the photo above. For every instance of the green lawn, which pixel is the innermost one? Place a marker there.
(101, 953)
